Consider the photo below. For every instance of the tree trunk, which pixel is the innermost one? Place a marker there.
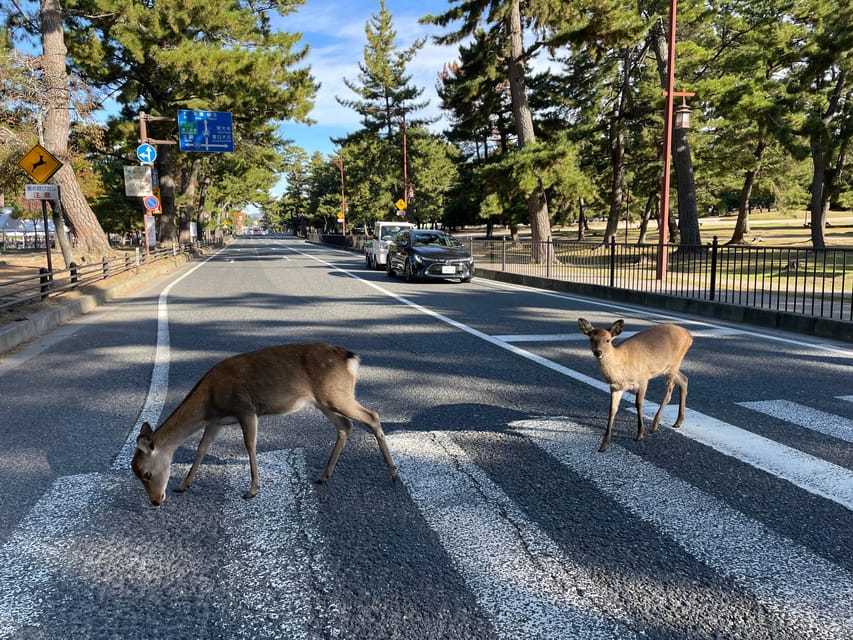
(742, 224)
(688, 217)
(651, 208)
(167, 231)
(537, 202)
(617, 151)
(91, 239)
(816, 204)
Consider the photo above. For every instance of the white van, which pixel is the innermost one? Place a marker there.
(376, 247)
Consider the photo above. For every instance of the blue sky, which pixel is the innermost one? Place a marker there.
(335, 32)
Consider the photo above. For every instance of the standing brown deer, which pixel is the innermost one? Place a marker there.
(270, 381)
(630, 365)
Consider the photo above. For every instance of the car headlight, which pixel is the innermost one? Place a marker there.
(418, 259)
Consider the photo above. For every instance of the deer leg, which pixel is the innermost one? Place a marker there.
(615, 398)
(344, 426)
(210, 433)
(638, 403)
(371, 419)
(681, 381)
(355, 411)
(670, 383)
(249, 425)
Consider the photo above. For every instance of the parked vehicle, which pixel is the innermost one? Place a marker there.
(421, 253)
(376, 247)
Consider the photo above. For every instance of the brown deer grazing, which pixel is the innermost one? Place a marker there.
(629, 366)
(271, 381)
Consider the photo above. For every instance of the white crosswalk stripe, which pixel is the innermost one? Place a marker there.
(516, 572)
(790, 580)
(35, 552)
(826, 423)
(274, 539)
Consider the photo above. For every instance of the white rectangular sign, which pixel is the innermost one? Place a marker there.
(41, 192)
(137, 181)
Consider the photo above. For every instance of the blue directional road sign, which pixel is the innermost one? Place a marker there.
(146, 153)
(211, 131)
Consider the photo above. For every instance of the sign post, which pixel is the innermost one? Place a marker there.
(41, 164)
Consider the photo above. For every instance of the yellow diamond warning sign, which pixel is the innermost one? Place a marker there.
(39, 163)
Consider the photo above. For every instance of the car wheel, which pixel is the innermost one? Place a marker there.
(367, 259)
(468, 279)
(409, 272)
(388, 268)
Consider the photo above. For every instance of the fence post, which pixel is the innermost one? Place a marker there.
(503, 254)
(612, 261)
(72, 267)
(44, 280)
(713, 291)
(105, 266)
(548, 249)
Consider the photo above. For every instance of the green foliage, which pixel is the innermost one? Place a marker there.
(202, 55)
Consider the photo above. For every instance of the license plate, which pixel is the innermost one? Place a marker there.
(448, 269)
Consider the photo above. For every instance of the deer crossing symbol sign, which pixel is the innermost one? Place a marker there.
(39, 163)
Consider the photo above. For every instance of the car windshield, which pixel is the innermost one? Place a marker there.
(435, 239)
(388, 233)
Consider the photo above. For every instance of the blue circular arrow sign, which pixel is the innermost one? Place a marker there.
(146, 152)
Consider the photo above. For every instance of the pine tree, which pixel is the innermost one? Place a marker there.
(192, 54)
(386, 98)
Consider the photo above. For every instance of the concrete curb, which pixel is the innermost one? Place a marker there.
(40, 322)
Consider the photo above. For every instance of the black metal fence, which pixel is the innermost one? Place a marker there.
(43, 284)
(804, 281)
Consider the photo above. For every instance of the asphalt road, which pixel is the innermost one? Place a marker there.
(505, 523)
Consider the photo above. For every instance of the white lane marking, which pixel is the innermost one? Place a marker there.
(275, 539)
(578, 336)
(789, 579)
(35, 553)
(159, 385)
(826, 423)
(807, 472)
(543, 337)
(662, 315)
(846, 398)
(516, 572)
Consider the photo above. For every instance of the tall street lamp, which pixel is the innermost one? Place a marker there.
(670, 93)
(340, 162)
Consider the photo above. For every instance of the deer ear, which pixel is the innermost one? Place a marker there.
(616, 327)
(144, 441)
(584, 326)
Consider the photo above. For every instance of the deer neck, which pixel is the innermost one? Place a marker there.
(184, 421)
(611, 366)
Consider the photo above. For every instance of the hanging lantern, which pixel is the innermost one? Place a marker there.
(681, 117)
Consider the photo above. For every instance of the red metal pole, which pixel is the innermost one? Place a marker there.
(663, 254)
